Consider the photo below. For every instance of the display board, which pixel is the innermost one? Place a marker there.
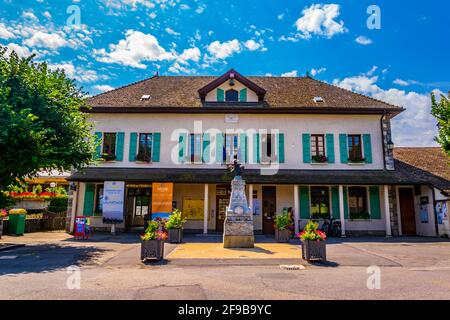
(113, 201)
(193, 208)
(162, 199)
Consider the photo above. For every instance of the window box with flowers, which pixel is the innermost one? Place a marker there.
(152, 245)
(313, 242)
(108, 157)
(319, 159)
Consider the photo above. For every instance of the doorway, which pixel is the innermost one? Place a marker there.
(139, 204)
(407, 211)
(223, 193)
(269, 208)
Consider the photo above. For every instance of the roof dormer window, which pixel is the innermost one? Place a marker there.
(232, 96)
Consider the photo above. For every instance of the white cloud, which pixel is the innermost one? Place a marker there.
(319, 19)
(152, 15)
(280, 16)
(172, 32)
(136, 48)
(47, 15)
(5, 33)
(252, 45)
(103, 87)
(184, 7)
(46, 40)
(315, 72)
(78, 73)
(22, 51)
(401, 82)
(415, 126)
(200, 9)
(363, 40)
(191, 54)
(123, 4)
(225, 49)
(29, 15)
(293, 73)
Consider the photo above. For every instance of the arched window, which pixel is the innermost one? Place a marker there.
(232, 96)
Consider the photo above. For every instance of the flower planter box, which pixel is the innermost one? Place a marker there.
(152, 249)
(282, 235)
(32, 204)
(1, 227)
(314, 250)
(175, 235)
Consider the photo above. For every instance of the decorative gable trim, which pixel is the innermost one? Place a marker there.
(232, 74)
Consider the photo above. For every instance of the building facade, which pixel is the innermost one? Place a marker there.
(307, 147)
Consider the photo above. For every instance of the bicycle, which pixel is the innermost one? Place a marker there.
(332, 227)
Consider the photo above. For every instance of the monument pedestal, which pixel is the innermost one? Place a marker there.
(238, 225)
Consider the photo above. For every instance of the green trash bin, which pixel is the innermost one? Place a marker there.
(16, 224)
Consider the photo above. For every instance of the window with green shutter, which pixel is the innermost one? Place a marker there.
(89, 195)
(220, 95)
(206, 154)
(98, 144)
(305, 210)
(330, 147)
(375, 205)
(243, 95)
(120, 145)
(133, 147)
(335, 202)
(182, 148)
(306, 142)
(280, 148)
(220, 150)
(156, 147)
(367, 145)
(343, 147)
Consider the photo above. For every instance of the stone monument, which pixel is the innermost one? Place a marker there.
(238, 224)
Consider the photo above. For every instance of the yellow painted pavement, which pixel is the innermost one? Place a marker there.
(217, 251)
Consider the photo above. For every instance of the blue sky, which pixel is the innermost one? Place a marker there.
(121, 41)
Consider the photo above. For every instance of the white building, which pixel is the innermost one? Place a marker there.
(306, 145)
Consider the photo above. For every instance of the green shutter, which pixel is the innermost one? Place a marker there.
(304, 203)
(206, 148)
(280, 147)
(220, 95)
(156, 147)
(306, 141)
(99, 144)
(89, 193)
(343, 147)
(243, 95)
(345, 203)
(335, 202)
(375, 207)
(330, 147)
(256, 155)
(367, 141)
(120, 139)
(219, 148)
(133, 147)
(243, 147)
(182, 147)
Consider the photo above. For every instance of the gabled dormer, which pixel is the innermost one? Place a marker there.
(232, 88)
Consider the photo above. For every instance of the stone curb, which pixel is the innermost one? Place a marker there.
(8, 246)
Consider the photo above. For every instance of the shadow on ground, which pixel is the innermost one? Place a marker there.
(46, 257)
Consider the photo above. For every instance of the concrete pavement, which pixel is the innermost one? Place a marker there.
(411, 268)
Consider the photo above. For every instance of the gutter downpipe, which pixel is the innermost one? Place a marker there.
(436, 224)
(382, 140)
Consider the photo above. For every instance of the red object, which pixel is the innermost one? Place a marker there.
(82, 230)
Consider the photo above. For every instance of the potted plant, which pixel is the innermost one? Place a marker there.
(152, 245)
(3, 213)
(174, 227)
(282, 224)
(313, 242)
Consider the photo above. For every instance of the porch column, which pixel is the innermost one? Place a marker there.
(387, 211)
(250, 196)
(341, 210)
(296, 208)
(205, 210)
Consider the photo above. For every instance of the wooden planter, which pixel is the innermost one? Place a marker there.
(282, 235)
(314, 250)
(175, 235)
(152, 249)
(1, 227)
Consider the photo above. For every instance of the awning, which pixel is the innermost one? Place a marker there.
(328, 177)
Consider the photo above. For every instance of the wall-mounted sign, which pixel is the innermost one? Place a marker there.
(193, 208)
(424, 200)
(162, 194)
(113, 201)
(231, 118)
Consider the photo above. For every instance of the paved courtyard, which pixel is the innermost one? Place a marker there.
(411, 268)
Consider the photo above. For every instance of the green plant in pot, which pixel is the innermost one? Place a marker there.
(313, 242)
(282, 227)
(152, 246)
(174, 226)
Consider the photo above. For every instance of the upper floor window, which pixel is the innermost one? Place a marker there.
(355, 148)
(318, 148)
(145, 147)
(195, 148)
(231, 147)
(109, 146)
(232, 96)
(357, 203)
(268, 148)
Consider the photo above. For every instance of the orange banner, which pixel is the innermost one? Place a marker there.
(162, 194)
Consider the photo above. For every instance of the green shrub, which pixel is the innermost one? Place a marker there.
(58, 204)
(282, 221)
(175, 221)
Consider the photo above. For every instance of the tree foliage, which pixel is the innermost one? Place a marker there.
(41, 125)
(441, 111)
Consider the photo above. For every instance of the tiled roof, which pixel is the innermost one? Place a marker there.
(182, 91)
(429, 163)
